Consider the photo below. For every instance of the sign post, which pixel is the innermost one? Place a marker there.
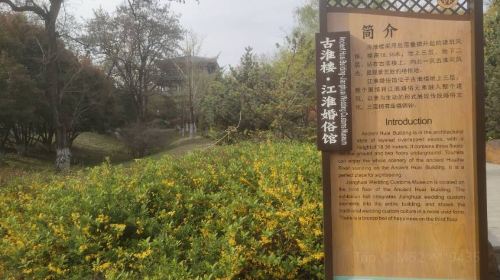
(400, 125)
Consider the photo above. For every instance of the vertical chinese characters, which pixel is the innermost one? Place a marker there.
(329, 92)
(333, 92)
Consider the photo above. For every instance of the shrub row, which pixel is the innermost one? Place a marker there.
(248, 211)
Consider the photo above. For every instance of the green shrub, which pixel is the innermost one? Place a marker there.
(249, 211)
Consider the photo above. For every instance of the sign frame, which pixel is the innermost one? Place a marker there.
(474, 14)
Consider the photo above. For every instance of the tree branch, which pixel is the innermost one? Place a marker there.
(26, 8)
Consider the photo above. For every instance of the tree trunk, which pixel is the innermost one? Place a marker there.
(21, 149)
(191, 97)
(63, 153)
(2, 156)
(23, 136)
(63, 159)
(46, 136)
(3, 139)
(191, 130)
(141, 104)
(192, 123)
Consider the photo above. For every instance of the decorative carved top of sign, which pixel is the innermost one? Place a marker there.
(443, 7)
(447, 4)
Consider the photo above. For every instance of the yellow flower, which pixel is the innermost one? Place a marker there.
(245, 181)
(232, 240)
(168, 183)
(300, 178)
(143, 255)
(103, 267)
(56, 269)
(318, 256)
(301, 245)
(118, 228)
(303, 221)
(82, 248)
(75, 216)
(102, 219)
(20, 243)
(274, 173)
(264, 240)
(86, 230)
(90, 257)
(140, 228)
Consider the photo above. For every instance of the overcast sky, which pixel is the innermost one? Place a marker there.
(226, 26)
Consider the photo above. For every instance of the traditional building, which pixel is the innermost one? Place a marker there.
(175, 71)
(184, 80)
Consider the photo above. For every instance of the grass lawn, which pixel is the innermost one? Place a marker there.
(14, 166)
(91, 149)
(182, 146)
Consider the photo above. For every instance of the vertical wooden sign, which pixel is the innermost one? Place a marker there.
(408, 201)
(333, 80)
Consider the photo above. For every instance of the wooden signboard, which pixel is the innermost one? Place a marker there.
(333, 60)
(408, 200)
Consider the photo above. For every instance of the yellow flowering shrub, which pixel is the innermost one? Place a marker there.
(248, 211)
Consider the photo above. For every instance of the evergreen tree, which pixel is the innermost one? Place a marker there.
(25, 112)
(492, 69)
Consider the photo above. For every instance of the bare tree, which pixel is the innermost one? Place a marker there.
(197, 76)
(131, 42)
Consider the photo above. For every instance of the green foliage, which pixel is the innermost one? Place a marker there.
(89, 101)
(249, 211)
(258, 95)
(21, 98)
(294, 99)
(246, 91)
(25, 112)
(276, 95)
(307, 17)
(492, 68)
(142, 140)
